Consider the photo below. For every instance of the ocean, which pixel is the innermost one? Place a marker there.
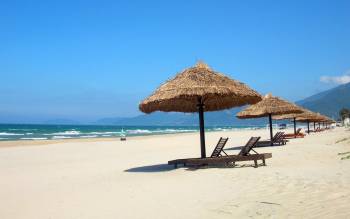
(13, 132)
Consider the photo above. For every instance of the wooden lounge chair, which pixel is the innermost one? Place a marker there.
(244, 155)
(276, 140)
(292, 135)
(219, 148)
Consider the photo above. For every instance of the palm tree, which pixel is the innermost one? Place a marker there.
(344, 113)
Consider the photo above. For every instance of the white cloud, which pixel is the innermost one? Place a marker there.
(343, 79)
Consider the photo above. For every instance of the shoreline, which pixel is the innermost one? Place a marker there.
(58, 134)
(19, 143)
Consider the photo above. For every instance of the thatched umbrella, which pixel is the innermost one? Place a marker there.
(320, 119)
(308, 117)
(315, 118)
(199, 89)
(267, 107)
(303, 117)
(326, 120)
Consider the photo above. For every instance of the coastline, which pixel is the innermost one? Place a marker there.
(17, 143)
(22, 132)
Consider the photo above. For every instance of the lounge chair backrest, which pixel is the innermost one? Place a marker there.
(280, 137)
(298, 131)
(248, 147)
(276, 136)
(219, 147)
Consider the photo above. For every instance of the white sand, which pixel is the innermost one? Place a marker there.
(113, 179)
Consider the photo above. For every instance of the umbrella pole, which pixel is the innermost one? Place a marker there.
(314, 126)
(271, 134)
(308, 127)
(201, 129)
(295, 128)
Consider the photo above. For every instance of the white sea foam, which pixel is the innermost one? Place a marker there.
(139, 131)
(176, 130)
(158, 131)
(61, 137)
(88, 136)
(65, 133)
(33, 138)
(102, 133)
(221, 129)
(8, 133)
(29, 133)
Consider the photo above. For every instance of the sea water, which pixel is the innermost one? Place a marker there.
(54, 132)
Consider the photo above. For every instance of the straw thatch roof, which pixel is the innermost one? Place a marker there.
(309, 119)
(305, 114)
(269, 105)
(322, 118)
(199, 83)
(314, 117)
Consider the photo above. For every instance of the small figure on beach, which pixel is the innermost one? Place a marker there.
(122, 135)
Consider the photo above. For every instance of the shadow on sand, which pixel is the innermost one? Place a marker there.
(195, 168)
(166, 167)
(151, 168)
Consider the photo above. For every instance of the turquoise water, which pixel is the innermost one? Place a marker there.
(12, 132)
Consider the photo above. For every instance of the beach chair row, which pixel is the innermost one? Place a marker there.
(220, 157)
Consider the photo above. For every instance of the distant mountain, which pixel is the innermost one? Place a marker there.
(329, 102)
(219, 118)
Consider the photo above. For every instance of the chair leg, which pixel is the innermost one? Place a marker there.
(256, 163)
(264, 161)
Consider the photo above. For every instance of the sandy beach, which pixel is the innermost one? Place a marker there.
(107, 178)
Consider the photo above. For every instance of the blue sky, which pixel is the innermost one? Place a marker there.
(93, 59)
